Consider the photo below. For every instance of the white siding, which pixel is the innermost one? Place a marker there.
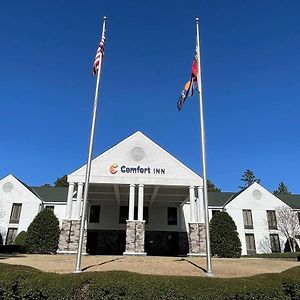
(19, 194)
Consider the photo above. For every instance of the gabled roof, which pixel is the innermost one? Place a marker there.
(51, 194)
(291, 200)
(219, 199)
(126, 159)
(28, 187)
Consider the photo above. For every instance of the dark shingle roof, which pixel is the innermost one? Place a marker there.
(52, 194)
(291, 200)
(219, 198)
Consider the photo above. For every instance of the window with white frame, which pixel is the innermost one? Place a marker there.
(272, 222)
(15, 213)
(275, 244)
(250, 243)
(11, 236)
(214, 211)
(51, 207)
(247, 216)
(94, 214)
(172, 215)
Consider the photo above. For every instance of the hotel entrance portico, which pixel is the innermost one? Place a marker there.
(136, 203)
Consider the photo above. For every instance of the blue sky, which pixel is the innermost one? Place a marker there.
(251, 87)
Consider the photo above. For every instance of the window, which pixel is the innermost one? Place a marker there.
(94, 214)
(250, 243)
(272, 219)
(15, 213)
(247, 215)
(172, 215)
(11, 236)
(123, 214)
(214, 211)
(49, 207)
(275, 244)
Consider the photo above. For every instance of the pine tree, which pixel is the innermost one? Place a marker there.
(62, 181)
(211, 187)
(43, 233)
(224, 237)
(248, 178)
(282, 189)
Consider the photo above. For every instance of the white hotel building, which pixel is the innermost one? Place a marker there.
(142, 201)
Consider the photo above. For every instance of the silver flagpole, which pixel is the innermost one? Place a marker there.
(199, 82)
(88, 166)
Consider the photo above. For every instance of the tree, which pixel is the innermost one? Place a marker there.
(211, 187)
(21, 238)
(43, 233)
(288, 225)
(248, 178)
(62, 181)
(224, 237)
(281, 189)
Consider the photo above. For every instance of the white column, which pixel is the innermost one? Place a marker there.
(200, 204)
(192, 204)
(69, 201)
(78, 200)
(131, 202)
(141, 202)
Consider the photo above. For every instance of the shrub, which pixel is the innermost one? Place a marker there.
(20, 282)
(21, 238)
(43, 233)
(224, 238)
(9, 249)
(1, 239)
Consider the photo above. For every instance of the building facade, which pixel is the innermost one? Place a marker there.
(142, 201)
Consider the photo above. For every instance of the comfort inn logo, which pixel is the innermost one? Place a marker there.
(113, 168)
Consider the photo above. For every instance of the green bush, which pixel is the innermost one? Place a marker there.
(224, 237)
(20, 282)
(9, 249)
(43, 233)
(21, 238)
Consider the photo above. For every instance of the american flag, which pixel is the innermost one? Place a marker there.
(100, 51)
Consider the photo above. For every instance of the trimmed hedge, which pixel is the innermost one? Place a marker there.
(18, 282)
(21, 238)
(9, 249)
(285, 255)
(224, 237)
(43, 233)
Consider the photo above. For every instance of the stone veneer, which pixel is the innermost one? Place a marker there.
(197, 239)
(69, 236)
(135, 238)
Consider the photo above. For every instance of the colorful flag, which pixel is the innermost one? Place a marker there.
(190, 85)
(100, 51)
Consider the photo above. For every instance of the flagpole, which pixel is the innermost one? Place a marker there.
(205, 198)
(88, 166)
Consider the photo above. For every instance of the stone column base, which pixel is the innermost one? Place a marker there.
(197, 239)
(69, 237)
(135, 238)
